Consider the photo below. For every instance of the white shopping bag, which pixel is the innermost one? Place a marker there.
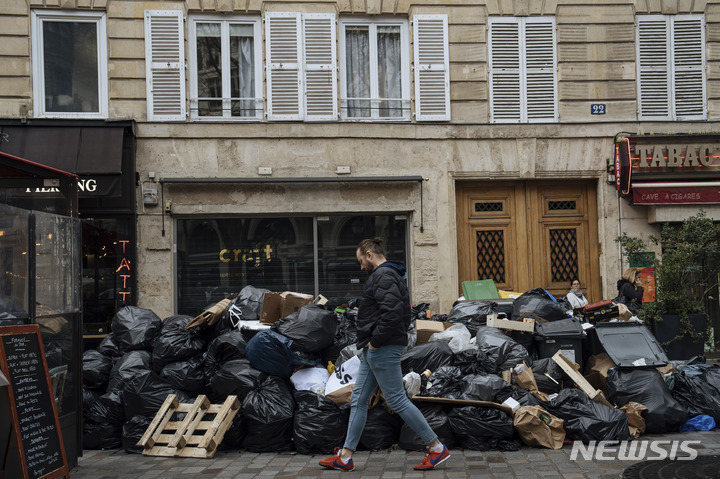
(310, 379)
(340, 384)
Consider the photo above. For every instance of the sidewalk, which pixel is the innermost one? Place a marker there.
(526, 463)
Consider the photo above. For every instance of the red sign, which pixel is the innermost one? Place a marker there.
(676, 195)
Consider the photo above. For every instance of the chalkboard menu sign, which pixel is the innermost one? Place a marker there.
(32, 403)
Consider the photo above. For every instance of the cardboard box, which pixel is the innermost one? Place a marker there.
(596, 370)
(426, 328)
(280, 305)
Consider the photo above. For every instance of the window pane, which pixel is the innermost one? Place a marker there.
(218, 257)
(389, 71)
(340, 274)
(209, 74)
(242, 73)
(70, 66)
(357, 70)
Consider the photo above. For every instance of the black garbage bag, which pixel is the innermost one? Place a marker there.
(382, 429)
(250, 300)
(132, 431)
(146, 393)
(271, 353)
(483, 428)
(108, 408)
(311, 328)
(547, 375)
(345, 335)
(681, 364)
(127, 367)
(227, 346)
(269, 412)
(135, 328)
(108, 347)
(236, 377)
(319, 424)
(89, 398)
(437, 417)
(473, 361)
(101, 435)
(446, 382)
(587, 420)
(472, 314)
(485, 387)
(236, 434)
(430, 356)
(96, 369)
(647, 387)
(175, 342)
(347, 352)
(500, 348)
(539, 302)
(699, 393)
(187, 375)
(526, 340)
(523, 396)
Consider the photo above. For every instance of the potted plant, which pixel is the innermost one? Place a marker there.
(686, 280)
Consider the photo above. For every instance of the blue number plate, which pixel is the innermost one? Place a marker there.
(597, 109)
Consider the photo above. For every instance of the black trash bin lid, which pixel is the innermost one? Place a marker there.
(630, 344)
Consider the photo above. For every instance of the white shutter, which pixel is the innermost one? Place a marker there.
(653, 68)
(540, 84)
(284, 58)
(165, 65)
(688, 62)
(505, 70)
(320, 66)
(432, 82)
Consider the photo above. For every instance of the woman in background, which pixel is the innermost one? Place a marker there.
(575, 296)
(630, 290)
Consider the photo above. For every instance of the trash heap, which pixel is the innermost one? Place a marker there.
(487, 375)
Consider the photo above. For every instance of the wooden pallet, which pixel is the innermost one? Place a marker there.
(193, 436)
(573, 370)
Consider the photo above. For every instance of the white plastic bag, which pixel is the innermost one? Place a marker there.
(340, 384)
(310, 379)
(411, 381)
(457, 335)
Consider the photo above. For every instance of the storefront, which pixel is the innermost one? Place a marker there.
(102, 154)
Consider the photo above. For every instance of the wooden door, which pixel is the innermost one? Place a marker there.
(527, 235)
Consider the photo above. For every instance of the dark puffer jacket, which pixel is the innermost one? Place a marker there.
(629, 295)
(384, 313)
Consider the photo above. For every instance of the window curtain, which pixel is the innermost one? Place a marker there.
(389, 74)
(242, 60)
(357, 52)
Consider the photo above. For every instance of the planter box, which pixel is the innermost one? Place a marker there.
(683, 348)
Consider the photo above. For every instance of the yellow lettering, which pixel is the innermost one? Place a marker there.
(267, 250)
(222, 255)
(237, 253)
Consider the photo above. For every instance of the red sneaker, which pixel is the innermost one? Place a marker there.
(334, 462)
(433, 459)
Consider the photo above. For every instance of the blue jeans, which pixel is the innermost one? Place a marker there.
(381, 367)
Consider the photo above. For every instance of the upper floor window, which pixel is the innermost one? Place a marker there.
(225, 68)
(523, 83)
(375, 70)
(671, 67)
(69, 64)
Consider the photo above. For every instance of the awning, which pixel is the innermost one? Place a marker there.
(676, 193)
(81, 150)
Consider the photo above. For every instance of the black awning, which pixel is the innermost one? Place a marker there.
(81, 150)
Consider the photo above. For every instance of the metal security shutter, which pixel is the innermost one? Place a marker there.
(432, 83)
(165, 65)
(653, 68)
(320, 67)
(505, 70)
(284, 57)
(689, 62)
(540, 85)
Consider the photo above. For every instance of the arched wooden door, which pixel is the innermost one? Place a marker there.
(529, 234)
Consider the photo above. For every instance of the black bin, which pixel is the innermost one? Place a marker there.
(565, 335)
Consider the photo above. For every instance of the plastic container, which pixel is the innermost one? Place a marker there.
(570, 345)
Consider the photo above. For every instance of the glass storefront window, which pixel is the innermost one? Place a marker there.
(13, 263)
(304, 254)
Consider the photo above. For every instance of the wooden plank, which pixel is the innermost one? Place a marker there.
(231, 404)
(187, 426)
(572, 369)
(147, 440)
(527, 325)
(464, 402)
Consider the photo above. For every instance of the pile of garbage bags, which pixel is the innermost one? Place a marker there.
(479, 386)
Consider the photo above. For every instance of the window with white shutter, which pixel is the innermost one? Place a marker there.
(301, 66)
(432, 82)
(375, 69)
(165, 65)
(671, 67)
(523, 70)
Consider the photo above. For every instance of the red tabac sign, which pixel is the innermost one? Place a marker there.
(676, 195)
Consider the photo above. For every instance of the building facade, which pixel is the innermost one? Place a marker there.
(478, 138)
